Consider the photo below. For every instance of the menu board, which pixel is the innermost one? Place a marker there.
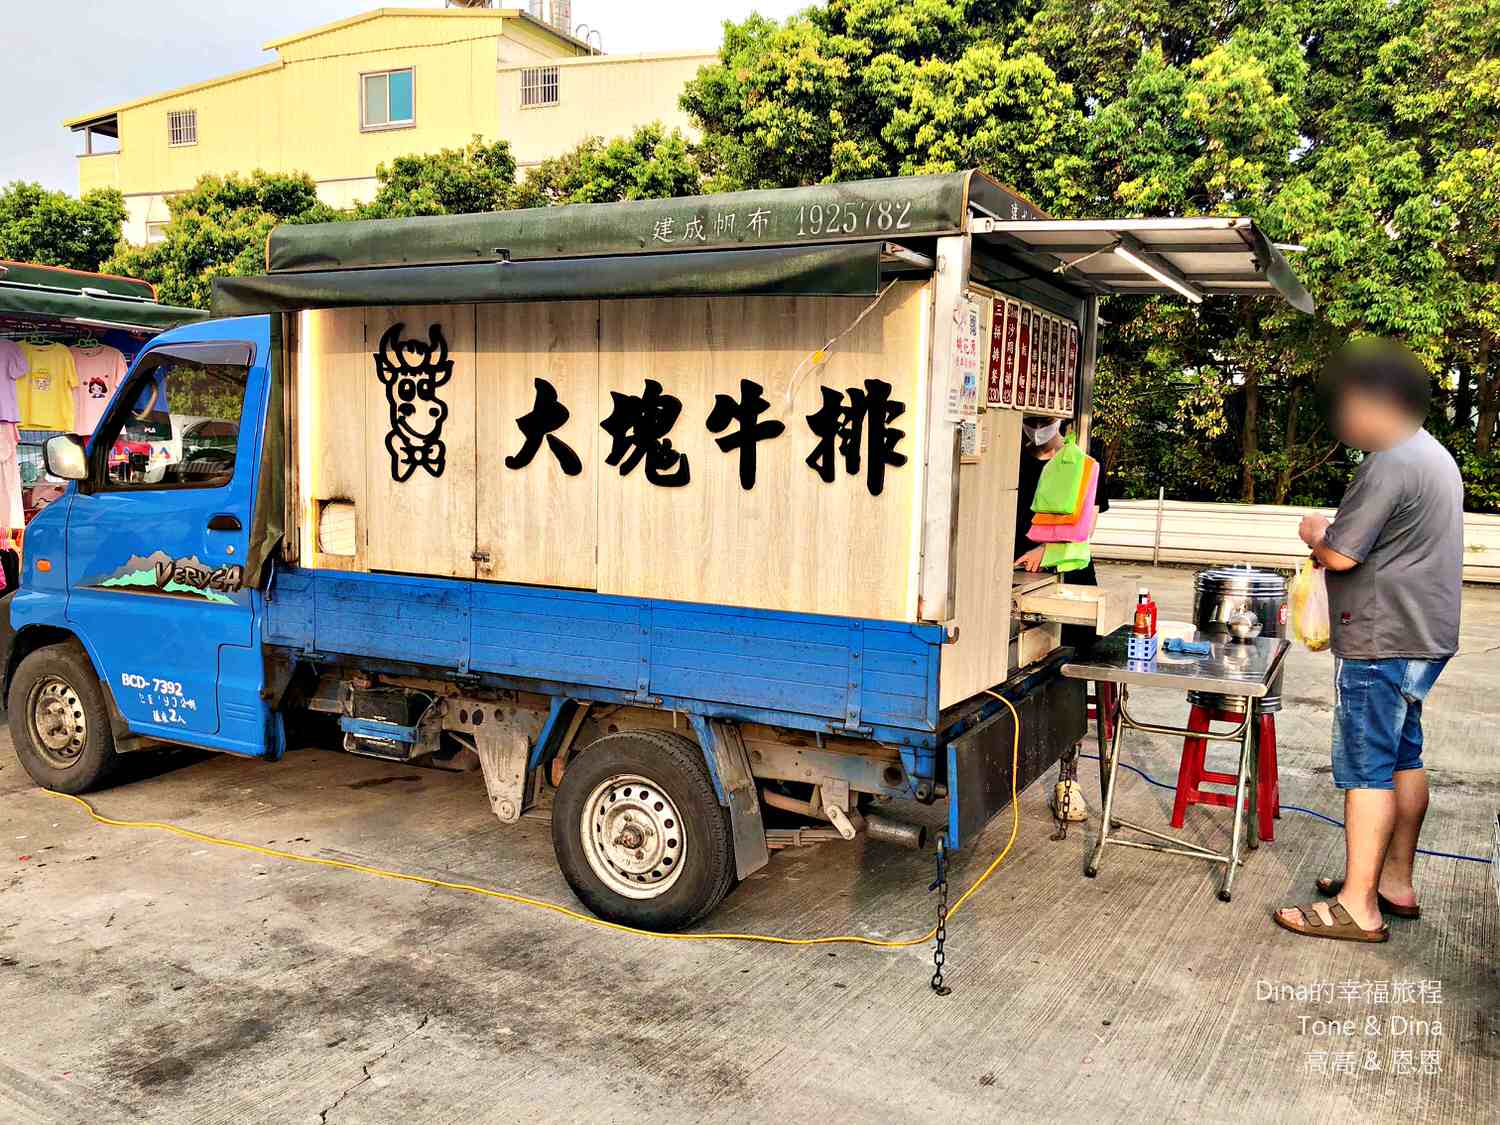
(1054, 363)
(995, 381)
(1023, 359)
(1044, 398)
(1044, 392)
(1072, 368)
(1028, 359)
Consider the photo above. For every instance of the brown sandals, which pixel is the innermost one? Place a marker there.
(1343, 927)
(1331, 887)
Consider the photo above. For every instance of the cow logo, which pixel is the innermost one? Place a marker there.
(411, 373)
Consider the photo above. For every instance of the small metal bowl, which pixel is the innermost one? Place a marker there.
(1243, 626)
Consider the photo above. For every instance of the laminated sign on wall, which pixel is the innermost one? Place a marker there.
(967, 344)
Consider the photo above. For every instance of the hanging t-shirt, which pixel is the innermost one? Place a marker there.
(46, 394)
(12, 370)
(99, 372)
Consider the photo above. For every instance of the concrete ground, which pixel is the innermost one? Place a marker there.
(147, 977)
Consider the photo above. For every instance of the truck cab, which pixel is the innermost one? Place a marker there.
(141, 563)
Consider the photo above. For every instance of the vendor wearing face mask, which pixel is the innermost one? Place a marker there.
(1041, 438)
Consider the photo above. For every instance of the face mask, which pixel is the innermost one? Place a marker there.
(1042, 434)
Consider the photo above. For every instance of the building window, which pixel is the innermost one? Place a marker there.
(538, 86)
(155, 232)
(182, 127)
(387, 99)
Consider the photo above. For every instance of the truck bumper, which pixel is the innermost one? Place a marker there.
(1054, 718)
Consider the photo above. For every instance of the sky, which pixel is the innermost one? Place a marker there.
(73, 58)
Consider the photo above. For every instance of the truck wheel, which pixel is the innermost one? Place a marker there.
(59, 722)
(639, 833)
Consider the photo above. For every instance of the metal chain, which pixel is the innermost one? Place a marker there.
(940, 884)
(1067, 771)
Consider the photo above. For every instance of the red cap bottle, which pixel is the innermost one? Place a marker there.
(1145, 615)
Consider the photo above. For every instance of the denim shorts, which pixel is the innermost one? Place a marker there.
(1377, 719)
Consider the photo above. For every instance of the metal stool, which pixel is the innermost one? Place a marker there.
(1192, 774)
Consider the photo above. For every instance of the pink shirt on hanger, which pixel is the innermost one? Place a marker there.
(12, 369)
(99, 373)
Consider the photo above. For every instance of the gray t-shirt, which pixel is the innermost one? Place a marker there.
(1402, 519)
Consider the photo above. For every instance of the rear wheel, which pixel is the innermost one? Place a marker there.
(640, 834)
(59, 722)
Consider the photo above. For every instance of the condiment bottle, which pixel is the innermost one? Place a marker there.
(1145, 615)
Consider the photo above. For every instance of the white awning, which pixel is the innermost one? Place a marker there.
(1194, 258)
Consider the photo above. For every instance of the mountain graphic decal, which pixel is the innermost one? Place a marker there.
(186, 576)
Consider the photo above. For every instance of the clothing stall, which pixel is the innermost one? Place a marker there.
(67, 338)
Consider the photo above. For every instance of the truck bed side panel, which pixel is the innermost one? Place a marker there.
(806, 671)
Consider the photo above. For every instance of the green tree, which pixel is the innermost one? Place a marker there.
(1398, 198)
(218, 228)
(454, 181)
(51, 228)
(864, 88)
(650, 163)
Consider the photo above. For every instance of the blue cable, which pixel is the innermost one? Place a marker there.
(1296, 808)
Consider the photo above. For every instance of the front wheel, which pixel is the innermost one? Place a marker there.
(59, 722)
(639, 833)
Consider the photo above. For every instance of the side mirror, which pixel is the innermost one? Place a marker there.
(64, 457)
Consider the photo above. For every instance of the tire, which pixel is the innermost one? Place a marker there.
(630, 784)
(59, 721)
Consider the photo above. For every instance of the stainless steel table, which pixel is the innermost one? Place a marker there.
(1242, 669)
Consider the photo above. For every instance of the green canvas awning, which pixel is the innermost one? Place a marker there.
(836, 270)
(868, 210)
(77, 281)
(96, 308)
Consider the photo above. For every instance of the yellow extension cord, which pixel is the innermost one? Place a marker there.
(579, 916)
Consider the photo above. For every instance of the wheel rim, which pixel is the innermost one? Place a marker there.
(58, 729)
(633, 836)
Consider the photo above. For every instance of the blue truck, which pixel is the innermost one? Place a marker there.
(329, 569)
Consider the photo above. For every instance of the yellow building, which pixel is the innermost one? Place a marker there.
(340, 99)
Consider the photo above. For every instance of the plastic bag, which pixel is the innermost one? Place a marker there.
(1061, 480)
(1308, 595)
(1063, 557)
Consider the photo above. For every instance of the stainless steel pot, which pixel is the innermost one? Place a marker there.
(1223, 598)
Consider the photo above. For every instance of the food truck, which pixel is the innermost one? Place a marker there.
(689, 509)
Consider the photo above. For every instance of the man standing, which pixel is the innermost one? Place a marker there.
(1394, 559)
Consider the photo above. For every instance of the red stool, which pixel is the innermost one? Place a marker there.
(1192, 774)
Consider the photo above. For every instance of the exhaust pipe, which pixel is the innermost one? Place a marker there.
(897, 832)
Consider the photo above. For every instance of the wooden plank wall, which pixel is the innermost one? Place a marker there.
(985, 550)
(536, 523)
(792, 543)
(425, 523)
(333, 362)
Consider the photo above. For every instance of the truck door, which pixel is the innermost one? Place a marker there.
(157, 538)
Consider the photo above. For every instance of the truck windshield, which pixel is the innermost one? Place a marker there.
(176, 424)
